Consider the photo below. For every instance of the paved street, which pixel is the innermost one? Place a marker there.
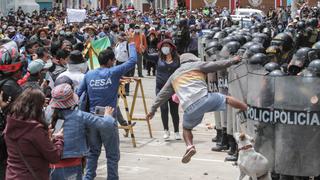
(157, 159)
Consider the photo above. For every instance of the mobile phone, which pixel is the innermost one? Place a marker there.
(58, 126)
(99, 110)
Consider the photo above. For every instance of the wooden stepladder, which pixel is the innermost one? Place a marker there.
(130, 112)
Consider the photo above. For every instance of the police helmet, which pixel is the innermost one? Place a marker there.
(316, 45)
(284, 41)
(260, 26)
(231, 48)
(276, 72)
(301, 25)
(228, 39)
(241, 39)
(220, 35)
(291, 31)
(312, 22)
(300, 59)
(258, 58)
(254, 29)
(314, 66)
(213, 47)
(271, 66)
(267, 31)
(255, 48)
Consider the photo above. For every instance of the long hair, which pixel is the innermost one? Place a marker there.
(29, 105)
(174, 54)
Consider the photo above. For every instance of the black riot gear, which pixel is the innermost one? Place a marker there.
(258, 58)
(256, 48)
(300, 59)
(284, 41)
(229, 49)
(213, 47)
(271, 66)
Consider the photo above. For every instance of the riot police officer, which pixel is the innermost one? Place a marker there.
(227, 140)
(285, 42)
(212, 51)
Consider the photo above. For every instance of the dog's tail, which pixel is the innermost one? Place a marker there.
(266, 176)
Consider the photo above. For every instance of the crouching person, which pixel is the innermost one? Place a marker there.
(189, 83)
(75, 122)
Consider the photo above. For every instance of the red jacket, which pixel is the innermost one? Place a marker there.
(34, 143)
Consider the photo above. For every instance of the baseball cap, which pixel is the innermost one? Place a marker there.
(36, 66)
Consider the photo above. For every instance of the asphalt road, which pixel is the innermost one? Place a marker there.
(156, 159)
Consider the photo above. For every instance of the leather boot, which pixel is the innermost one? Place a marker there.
(223, 144)
(218, 136)
(233, 157)
(232, 144)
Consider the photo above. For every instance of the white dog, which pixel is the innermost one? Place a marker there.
(250, 162)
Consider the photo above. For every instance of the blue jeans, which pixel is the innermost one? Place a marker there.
(74, 173)
(107, 135)
(193, 114)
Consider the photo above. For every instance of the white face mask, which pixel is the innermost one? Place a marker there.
(165, 50)
(43, 38)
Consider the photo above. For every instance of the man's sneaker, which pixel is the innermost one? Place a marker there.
(166, 135)
(189, 153)
(177, 136)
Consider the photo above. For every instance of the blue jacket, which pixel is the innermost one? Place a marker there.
(102, 84)
(74, 128)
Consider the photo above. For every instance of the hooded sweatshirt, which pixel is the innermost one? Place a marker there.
(76, 73)
(189, 81)
(33, 140)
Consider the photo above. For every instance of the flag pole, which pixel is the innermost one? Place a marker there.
(90, 57)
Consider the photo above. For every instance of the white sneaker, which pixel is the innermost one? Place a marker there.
(166, 134)
(177, 136)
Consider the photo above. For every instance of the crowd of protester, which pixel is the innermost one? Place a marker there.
(43, 67)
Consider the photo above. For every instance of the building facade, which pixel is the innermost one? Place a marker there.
(264, 5)
(76, 4)
(45, 4)
(27, 6)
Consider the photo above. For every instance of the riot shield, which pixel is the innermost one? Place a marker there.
(283, 117)
(297, 136)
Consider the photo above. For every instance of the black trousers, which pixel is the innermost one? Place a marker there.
(128, 74)
(151, 65)
(174, 111)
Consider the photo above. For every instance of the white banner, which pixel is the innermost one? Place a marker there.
(76, 15)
